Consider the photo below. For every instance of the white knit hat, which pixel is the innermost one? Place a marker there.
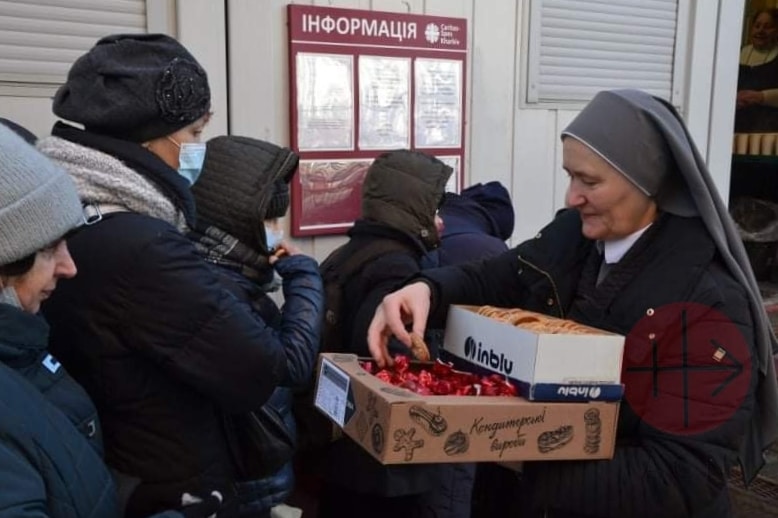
(38, 201)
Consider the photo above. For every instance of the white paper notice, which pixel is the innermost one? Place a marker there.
(325, 102)
(384, 98)
(438, 113)
(332, 392)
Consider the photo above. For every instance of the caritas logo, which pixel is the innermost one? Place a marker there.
(432, 33)
(687, 368)
(477, 353)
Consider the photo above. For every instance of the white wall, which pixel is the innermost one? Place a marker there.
(714, 39)
(201, 28)
(31, 111)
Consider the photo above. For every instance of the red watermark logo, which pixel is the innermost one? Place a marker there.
(687, 368)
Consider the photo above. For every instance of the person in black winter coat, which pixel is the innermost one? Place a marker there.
(401, 193)
(241, 196)
(50, 435)
(648, 251)
(147, 328)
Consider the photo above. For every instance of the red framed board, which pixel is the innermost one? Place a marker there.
(363, 83)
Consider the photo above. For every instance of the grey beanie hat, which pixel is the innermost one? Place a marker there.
(38, 201)
(135, 87)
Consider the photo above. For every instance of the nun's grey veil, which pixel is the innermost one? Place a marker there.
(645, 139)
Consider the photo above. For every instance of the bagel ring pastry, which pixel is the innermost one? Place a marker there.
(419, 349)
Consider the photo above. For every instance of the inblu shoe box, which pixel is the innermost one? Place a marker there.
(546, 367)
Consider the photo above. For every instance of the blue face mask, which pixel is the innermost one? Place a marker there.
(273, 238)
(191, 156)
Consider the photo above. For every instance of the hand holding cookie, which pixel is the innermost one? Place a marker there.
(283, 250)
(419, 349)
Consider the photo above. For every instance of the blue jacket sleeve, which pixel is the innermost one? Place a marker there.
(301, 317)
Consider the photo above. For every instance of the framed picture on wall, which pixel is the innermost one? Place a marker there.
(364, 83)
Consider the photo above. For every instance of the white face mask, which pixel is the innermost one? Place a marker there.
(190, 161)
(191, 156)
(273, 237)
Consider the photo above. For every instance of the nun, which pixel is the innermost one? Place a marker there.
(646, 247)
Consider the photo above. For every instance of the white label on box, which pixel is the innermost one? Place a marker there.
(332, 392)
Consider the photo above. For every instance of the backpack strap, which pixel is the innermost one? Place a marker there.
(94, 212)
(343, 264)
(349, 260)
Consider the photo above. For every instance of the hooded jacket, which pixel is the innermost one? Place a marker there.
(476, 223)
(400, 196)
(235, 187)
(233, 194)
(403, 190)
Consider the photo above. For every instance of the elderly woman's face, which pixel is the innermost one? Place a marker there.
(36, 285)
(167, 148)
(611, 206)
(764, 31)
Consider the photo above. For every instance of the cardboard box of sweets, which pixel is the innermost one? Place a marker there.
(397, 426)
(570, 363)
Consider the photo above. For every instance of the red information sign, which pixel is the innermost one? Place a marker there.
(364, 83)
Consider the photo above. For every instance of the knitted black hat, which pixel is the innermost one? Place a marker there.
(279, 200)
(134, 87)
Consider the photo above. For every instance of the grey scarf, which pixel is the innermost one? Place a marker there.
(644, 138)
(103, 179)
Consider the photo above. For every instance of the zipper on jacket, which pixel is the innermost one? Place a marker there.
(550, 280)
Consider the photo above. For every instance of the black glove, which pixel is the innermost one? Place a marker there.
(195, 507)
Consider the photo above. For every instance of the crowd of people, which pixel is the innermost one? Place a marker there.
(140, 336)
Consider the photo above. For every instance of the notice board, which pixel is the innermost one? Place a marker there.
(364, 83)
